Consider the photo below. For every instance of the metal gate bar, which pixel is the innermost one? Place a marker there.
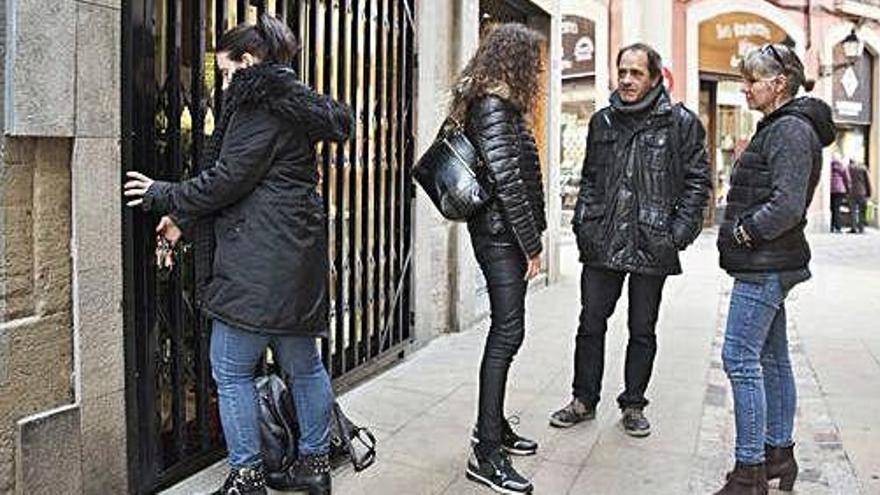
(359, 51)
(365, 120)
(340, 309)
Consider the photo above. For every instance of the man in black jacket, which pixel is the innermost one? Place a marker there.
(644, 184)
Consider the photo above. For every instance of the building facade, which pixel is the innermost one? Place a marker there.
(104, 379)
(702, 41)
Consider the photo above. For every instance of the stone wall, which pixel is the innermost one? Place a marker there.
(61, 340)
(97, 248)
(35, 286)
(432, 263)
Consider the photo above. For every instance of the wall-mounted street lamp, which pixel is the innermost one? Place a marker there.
(852, 52)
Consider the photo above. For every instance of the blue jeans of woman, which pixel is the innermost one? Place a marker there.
(235, 354)
(756, 360)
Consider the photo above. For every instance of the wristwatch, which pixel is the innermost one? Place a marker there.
(741, 236)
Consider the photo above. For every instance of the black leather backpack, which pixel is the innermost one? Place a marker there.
(279, 431)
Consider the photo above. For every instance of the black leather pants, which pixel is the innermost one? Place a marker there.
(504, 266)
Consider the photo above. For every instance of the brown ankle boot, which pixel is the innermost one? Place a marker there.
(745, 480)
(781, 464)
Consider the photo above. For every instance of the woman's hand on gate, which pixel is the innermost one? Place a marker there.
(136, 187)
(534, 267)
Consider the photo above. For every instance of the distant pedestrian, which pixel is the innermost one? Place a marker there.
(859, 192)
(763, 247)
(839, 191)
(644, 185)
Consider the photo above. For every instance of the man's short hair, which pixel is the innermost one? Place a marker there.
(655, 61)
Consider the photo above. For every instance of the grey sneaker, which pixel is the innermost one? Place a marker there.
(635, 424)
(572, 414)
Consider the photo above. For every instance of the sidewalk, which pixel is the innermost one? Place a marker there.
(422, 410)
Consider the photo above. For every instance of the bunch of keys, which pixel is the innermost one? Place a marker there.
(164, 256)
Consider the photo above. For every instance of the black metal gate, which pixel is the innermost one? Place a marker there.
(359, 51)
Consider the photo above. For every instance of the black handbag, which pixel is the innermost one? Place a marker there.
(448, 174)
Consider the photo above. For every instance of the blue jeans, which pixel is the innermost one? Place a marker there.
(235, 354)
(756, 361)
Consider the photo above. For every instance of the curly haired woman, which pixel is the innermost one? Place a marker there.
(494, 96)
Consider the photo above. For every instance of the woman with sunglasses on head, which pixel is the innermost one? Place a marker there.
(267, 283)
(763, 247)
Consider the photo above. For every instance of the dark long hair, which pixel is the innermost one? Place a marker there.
(508, 63)
(270, 40)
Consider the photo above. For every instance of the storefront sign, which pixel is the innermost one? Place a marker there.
(725, 39)
(578, 46)
(852, 89)
(860, 8)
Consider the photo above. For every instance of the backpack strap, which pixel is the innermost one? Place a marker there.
(676, 142)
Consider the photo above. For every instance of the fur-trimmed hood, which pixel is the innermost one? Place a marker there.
(277, 89)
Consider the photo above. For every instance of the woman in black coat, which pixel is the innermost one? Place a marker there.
(268, 278)
(494, 95)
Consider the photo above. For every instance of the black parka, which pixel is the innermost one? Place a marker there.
(270, 264)
(511, 171)
(644, 185)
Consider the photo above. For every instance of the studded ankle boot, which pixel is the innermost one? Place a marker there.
(244, 481)
(311, 474)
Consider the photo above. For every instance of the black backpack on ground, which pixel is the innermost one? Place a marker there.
(279, 431)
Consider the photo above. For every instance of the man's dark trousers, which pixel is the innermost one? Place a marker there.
(600, 290)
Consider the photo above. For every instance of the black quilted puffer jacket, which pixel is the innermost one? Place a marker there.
(771, 188)
(511, 171)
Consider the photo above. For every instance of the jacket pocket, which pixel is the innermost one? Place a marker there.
(656, 147)
(230, 227)
(656, 234)
(603, 143)
(588, 228)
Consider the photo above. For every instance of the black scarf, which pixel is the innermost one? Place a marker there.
(632, 115)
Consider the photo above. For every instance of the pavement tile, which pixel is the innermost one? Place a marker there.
(422, 409)
(659, 474)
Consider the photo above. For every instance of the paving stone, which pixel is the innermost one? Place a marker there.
(424, 408)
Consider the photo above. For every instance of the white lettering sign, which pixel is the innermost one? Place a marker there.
(742, 30)
(569, 27)
(849, 108)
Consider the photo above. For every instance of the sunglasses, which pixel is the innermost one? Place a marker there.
(769, 48)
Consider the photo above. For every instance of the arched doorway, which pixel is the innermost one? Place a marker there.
(724, 40)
